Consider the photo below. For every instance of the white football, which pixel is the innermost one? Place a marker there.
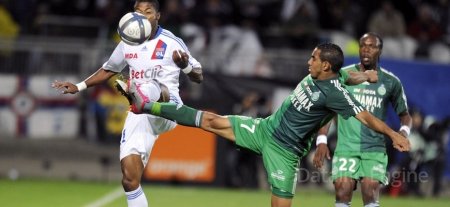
(151, 89)
(134, 28)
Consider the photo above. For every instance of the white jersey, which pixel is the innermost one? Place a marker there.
(148, 61)
(152, 60)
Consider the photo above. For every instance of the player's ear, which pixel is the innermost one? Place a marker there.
(158, 15)
(325, 65)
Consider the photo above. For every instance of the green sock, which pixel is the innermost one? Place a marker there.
(183, 115)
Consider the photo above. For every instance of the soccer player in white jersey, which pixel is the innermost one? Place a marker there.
(161, 58)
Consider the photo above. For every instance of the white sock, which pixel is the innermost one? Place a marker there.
(136, 198)
(342, 204)
(375, 204)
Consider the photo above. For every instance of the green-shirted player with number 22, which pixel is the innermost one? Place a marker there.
(360, 153)
(284, 137)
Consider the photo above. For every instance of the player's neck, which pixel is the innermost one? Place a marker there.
(154, 32)
(326, 76)
(363, 68)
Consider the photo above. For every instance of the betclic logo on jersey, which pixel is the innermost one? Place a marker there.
(155, 72)
(160, 50)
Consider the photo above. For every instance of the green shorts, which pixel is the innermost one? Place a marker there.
(281, 165)
(357, 165)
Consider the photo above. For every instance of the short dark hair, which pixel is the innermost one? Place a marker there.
(373, 34)
(154, 2)
(333, 54)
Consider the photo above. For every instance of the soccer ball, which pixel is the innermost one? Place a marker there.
(134, 28)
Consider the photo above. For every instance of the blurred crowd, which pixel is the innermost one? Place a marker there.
(411, 28)
(421, 171)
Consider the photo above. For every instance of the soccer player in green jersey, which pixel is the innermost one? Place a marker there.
(360, 153)
(284, 137)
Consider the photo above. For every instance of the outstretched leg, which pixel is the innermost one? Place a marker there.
(182, 114)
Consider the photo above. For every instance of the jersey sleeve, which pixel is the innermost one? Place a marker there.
(398, 97)
(340, 101)
(116, 61)
(343, 75)
(180, 45)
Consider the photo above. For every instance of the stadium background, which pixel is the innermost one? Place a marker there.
(253, 52)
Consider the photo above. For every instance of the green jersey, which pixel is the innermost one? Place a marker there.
(311, 105)
(353, 136)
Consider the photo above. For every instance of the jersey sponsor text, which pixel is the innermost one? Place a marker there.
(131, 55)
(300, 100)
(369, 102)
(155, 72)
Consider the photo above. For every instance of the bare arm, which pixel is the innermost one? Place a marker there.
(405, 120)
(325, 128)
(399, 142)
(196, 75)
(322, 150)
(100, 76)
(96, 78)
(356, 78)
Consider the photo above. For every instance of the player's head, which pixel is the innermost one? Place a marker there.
(332, 54)
(325, 57)
(154, 3)
(370, 47)
(150, 9)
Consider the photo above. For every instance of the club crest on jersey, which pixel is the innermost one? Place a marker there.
(160, 50)
(381, 90)
(315, 96)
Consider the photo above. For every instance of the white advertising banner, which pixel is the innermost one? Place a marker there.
(31, 108)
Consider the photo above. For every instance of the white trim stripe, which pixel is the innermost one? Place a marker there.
(198, 118)
(107, 199)
(136, 194)
(356, 109)
(170, 35)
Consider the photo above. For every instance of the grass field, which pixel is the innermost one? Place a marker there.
(44, 193)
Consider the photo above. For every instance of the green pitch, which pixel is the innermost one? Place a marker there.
(44, 193)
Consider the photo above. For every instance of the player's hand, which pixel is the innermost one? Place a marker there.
(65, 87)
(180, 58)
(372, 76)
(322, 151)
(400, 142)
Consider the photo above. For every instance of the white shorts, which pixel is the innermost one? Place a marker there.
(140, 133)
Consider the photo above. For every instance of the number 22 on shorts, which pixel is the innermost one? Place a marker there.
(343, 166)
